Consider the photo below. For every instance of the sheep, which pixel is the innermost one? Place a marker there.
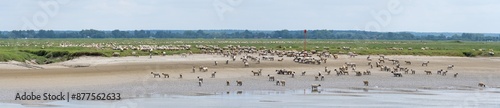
(213, 74)
(280, 59)
(439, 72)
(239, 83)
(194, 69)
(450, 67)
(271, 78)
(428, 72)
(425, 63)
(278, 83)
(314, 87)
(156, 74)
(227, 83)
(282, 82)
(345, 72)
(444, 73)
(293, 75)
(358, 73)
(319, 73)
(165, 75)
(455, 75)
(256, 73)
(199, 83)
(316, 78)
(366, 83)
(412, 71)
(180, 75)
(397, 74)
(328, 72)
(303, 73)
(322, 78)
(246, 64)
(408, 62)
(481, 84)
(216, 63)
(227, 61)
(200, 79)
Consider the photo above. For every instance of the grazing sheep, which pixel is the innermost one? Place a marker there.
(227, 83)
(180, 75)
(303, 73)
(397, 74)
(455, 75)
(293, 75)
(271, 78)
(481, 84)
(165, 75)
(213, 74)
(314, 87)
(282, 82)
(450, 67)
(322, 78)
(319, 73)
(408, 62)
(358, 73)
(366, 83)
(425, 63)
(200, 79)
(412, 71)
(278, 83)
(194, 69)
(216, 63)
(156, 74)
(239, 83)
(428, 72)
(199, 83)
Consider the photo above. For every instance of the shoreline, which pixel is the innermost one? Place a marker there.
(131, 75)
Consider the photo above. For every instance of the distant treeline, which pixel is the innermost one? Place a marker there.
(243, 34)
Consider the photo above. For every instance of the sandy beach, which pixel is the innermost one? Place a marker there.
(131, 76)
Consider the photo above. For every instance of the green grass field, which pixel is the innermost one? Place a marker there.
(29, 49)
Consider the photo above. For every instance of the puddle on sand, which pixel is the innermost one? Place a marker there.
(351, 97)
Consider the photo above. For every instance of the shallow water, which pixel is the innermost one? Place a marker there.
(352, 97)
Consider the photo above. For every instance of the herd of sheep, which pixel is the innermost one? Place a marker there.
(247, 55)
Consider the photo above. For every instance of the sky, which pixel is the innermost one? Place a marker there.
(477, 16)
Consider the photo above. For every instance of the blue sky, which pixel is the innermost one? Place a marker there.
(373, 15)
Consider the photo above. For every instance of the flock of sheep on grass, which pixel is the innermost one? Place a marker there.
(395, 68)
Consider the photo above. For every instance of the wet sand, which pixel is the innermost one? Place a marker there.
(131, 76)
